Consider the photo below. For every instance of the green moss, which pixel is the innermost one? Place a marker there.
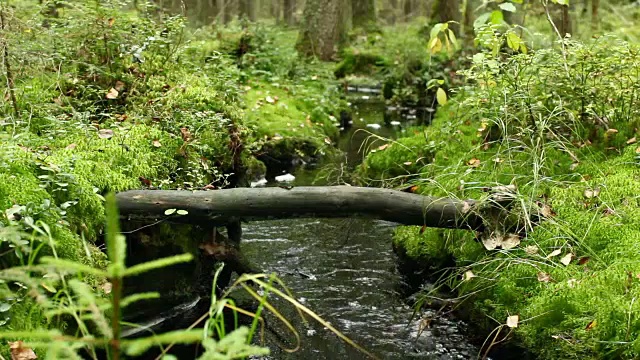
(355, 62)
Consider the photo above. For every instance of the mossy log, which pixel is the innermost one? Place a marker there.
(222, 207)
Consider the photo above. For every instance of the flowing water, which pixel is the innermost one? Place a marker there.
(345, 270)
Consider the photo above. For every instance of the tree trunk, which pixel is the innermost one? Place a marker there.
(223, 207)
(289, 12)
(595, 4)
(247, 9)
(275, 9)
(363, 12)
(447, 10)
(324, 28)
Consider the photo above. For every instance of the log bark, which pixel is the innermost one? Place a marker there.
(222, 207)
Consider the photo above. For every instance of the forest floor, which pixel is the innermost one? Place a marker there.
(561, 128)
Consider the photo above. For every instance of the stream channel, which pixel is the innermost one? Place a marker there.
(345, 270)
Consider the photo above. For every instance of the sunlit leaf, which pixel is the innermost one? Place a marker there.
(112, 94)
(105, 133)
(507, 6)
(169, 211)
(512, 321)
(441, 96)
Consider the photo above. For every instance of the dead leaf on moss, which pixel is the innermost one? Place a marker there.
(566, 260)
(490, 242)
(407, 163)
(531, 249)
(21, 352)
(544, 277)
(572, 283)
(512, 321)
(106, 288)
(590, 325)
(555, 252)
(105, 133)
(510, 241)
(583, 260)
(112, 94)
(468, 275)
(71, 146)
(632, 141)
(591, 193)
(186, 135)
(382, 147)
(156, 143)
(612, 131)
(474, 162)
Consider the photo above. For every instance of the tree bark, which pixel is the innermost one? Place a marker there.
(289, 12)
(248, 9)
(223, 207)
(363, 12)
(324, 28)
(447, 10)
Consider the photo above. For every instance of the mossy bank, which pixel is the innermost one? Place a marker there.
(572, 281)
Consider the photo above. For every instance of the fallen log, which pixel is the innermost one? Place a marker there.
(222, 207)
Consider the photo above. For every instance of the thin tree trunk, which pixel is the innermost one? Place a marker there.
(595, 5)
(447, 10)
(7, 63)
(363, 12)
(289, 12)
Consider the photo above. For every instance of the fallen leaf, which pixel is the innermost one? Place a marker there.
(422, 229)
(382, 147)
(545, 210)
(566, 260)
(327, 141)
(119, 86)
(608, 211)
(512, 321)
(572, 283)
(491, 242)
(71, 146)
(408, 163)
(612, 131)
(474, 162)
(111, 21)
(510, 241)
(590, 325)
(544, 277)
(209, 187)
(468, 275)
(531, 249)
(591, 193)
(632, 140)
(574, 166)
(270, 100)
(112, 94)
(555, 252)
(106, 287)
(583, 260)
(156, 143)
(21, 352)
(186, 135)
(145, 181)
(105, 133)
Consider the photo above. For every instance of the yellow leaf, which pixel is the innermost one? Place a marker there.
(112, 94)
(555, 252)
(566, 260)
(441, 96)
(512, 321)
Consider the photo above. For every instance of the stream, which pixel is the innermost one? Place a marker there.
(345, 271)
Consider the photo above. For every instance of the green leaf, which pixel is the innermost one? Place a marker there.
(453, 39)
(507, 6)
(71, 266)
(441, 96)
(513, 41)
(497, 17)
(436, 29)
(481, 20)
(169, 211)
(139, 346)
(4, 307)
(155, 264)
(182, 212)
